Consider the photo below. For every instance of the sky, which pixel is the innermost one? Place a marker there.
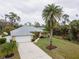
(31, 10)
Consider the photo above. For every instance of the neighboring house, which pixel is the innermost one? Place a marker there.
(25, 33)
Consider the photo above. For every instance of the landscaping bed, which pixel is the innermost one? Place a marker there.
(16, 56)
(9, 50)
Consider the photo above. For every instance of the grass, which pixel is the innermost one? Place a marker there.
(16, 55)
(64, 50)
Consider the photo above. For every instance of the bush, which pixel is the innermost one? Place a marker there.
(69, 37)
(33, 40)
(2, 40)
(8, 49)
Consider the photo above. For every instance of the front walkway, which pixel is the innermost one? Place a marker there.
(31, 51)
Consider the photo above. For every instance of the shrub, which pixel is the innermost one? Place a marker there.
(33, 40)
(70, 36)
(8, 49)
(2, 40)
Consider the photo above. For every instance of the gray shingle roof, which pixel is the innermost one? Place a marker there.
(25, 30)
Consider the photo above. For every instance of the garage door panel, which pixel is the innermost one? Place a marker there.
(23, 38)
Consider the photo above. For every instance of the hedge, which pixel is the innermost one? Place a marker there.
(2, 40)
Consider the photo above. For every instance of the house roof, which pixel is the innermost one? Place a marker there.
(25, 30)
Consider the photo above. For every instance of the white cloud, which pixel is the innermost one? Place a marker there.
(31, 10)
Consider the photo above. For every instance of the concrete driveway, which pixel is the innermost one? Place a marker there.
(31, 51)
(28, 50)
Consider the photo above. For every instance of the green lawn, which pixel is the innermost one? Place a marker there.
(64, 50)
(16, 56)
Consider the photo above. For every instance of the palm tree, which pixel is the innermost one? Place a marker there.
(51, 14)
(13, 18)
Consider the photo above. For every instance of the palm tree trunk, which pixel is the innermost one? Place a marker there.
(51, 34)
(50, 47)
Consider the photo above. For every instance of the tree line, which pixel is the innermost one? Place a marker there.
(9, 22)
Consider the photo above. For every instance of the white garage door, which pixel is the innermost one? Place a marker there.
(23, 38)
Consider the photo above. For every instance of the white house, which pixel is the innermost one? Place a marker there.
(24, 34)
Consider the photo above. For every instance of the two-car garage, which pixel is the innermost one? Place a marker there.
(23, 39)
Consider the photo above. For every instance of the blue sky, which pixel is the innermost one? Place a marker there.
(31, 10)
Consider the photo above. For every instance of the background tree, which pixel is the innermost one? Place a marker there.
(13, 18)
(51, 14)
(2, 25)
(36, 24)
(28, 24)
(11, 22)
(66, 19)
(8, 28)
(65, 28)
(75, 29)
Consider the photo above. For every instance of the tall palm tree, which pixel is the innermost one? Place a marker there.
(13, 18)
(51, 14)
